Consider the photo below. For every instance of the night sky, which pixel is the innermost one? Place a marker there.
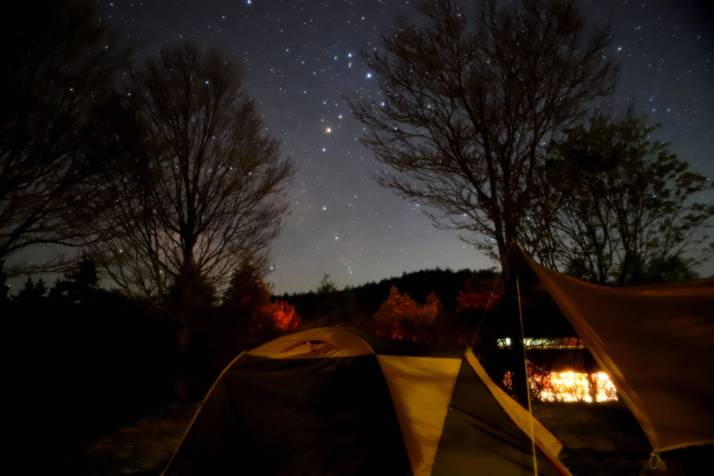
(301, 60)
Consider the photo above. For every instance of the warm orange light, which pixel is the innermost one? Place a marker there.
(569, 386)
(283, 315)
(400, 317)
(606, 390)
(474, 297)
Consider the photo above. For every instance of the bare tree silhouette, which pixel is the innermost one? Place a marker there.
(469, 107)
(199, 187)
(59, 62)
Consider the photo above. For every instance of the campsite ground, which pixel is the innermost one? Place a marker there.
(598, 440)
(141, 449)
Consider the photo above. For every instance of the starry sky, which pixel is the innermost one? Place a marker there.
(301, 60)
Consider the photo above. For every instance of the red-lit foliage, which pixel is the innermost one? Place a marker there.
(249, 296)
(402, 318)
(478, 296)
(266, 315)
(283, 316)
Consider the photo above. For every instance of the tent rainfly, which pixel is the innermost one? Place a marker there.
(656, 342)
(324, 401)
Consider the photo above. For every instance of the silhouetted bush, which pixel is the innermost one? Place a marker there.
(84, 367)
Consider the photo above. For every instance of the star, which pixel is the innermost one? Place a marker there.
(314, 49)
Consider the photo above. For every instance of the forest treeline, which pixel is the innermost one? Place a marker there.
(90, 360)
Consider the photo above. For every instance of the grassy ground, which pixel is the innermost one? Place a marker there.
(598, 440)
(604, 440)
(140, 449)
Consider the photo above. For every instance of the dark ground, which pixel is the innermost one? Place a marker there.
(601, 439)
(140, 449)
(598, 440)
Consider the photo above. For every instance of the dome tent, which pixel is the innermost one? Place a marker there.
(325, 401)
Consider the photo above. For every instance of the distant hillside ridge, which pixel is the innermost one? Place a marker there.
(352, 304)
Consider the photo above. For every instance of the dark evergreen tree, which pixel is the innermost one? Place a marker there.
(32, 292)
(326, 286)
(79, 284)
(85, 274)
(4, 288)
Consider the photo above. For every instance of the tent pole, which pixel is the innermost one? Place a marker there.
(525, 373)
(474, 339)
(519, 380)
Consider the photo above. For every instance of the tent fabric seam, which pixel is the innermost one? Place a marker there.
(544, 439)
(198, 410)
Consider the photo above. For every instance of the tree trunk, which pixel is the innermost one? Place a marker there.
(182, 307)
(183, 338)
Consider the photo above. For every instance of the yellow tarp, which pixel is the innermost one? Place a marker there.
(656, 342)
